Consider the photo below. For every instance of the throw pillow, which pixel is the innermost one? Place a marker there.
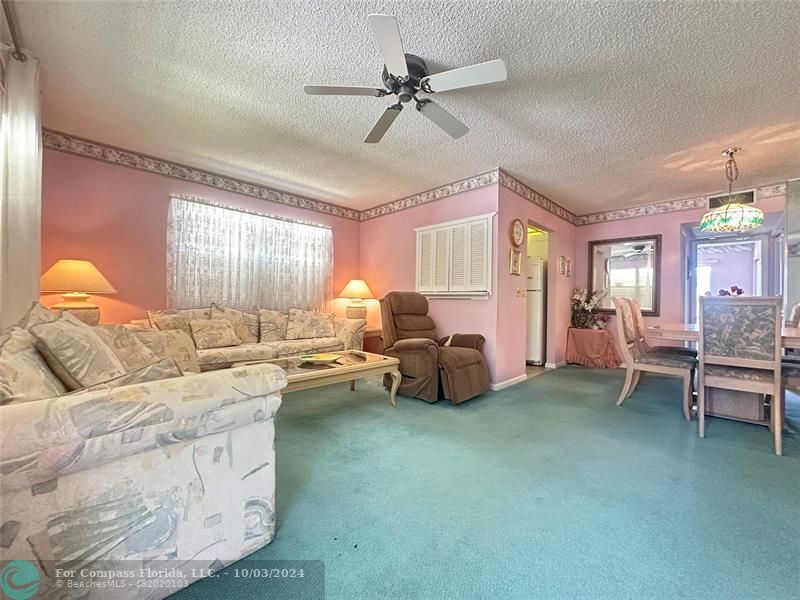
(36, 314)
(75, 352)
(132, 353)
(24, 375)
(213, 333)
(272, 325)
(166, 368)
(166, 320)
(174, 343)
(304, 324)
(245, 324)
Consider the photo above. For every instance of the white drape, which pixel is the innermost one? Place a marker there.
(245, 260)
(20, 186)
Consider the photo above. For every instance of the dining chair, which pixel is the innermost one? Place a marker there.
(641, 331)
(740, 349)
(794, 316)
(638, 361)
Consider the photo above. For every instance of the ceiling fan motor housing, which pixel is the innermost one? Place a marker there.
(405, 90)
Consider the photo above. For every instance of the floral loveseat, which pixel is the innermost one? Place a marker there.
(257, 335)
(141, 467)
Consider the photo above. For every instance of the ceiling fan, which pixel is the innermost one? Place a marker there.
(406, 75)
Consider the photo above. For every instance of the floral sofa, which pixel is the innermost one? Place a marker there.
(256, 335)
(144, 468)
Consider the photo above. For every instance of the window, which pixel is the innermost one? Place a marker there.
(455, 258)
(244, 259)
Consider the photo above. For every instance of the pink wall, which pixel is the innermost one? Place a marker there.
(388, 263)
(512, 308)
(117, 218)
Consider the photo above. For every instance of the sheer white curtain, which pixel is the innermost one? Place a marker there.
(244, 259)
(20, 185)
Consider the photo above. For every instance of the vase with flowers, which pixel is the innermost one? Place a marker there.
(584, 302)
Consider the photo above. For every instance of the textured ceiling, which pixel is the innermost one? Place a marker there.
(608, 104)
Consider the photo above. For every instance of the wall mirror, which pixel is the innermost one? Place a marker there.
(627, 267)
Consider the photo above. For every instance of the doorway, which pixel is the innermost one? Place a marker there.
(719, 264)
(536, 295)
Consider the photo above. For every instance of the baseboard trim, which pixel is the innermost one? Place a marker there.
(507, 383)
(557, 365)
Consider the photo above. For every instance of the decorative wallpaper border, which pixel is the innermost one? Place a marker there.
(535, 197)
(70, 144)
(437, 193)
(762, 193)
(117, 156)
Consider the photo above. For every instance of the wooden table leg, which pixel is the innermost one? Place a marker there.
(353, 385)
(396, 377)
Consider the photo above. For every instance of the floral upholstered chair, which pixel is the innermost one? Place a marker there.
(641, 331)
(638, 359)
(740, 349)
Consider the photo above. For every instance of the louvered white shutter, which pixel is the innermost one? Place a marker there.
(441, 259)
(455, 258)
(478, 252)
(425, 261)
(459, 258)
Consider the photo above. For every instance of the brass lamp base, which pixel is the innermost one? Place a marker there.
(356, 310)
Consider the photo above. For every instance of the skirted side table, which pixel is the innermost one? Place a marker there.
(591, 348)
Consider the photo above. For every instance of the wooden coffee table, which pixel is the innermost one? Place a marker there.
(351, 366)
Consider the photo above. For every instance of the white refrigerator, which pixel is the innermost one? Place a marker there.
(537, 309)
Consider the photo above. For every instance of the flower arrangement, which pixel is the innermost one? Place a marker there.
(600, 321)
(583, 303)
(735, 290)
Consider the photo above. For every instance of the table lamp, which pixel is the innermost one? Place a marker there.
(357, 290)
(75, 280)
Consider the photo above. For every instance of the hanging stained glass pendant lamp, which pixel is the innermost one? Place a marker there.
(731, 216)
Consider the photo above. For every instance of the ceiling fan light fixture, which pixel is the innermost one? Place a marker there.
(731, 217)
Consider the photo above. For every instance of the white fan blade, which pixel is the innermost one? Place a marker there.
(388, 35)
(480, 74)
(383, 124)
(443, 119)
(342, 90)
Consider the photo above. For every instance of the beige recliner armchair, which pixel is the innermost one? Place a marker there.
(428, 364)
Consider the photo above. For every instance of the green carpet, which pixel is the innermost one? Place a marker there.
(543, 490)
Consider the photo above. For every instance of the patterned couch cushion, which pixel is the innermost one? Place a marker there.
(761, 375)
(175, 344)
(272, 324)
(295, 347)
(75, 352)
(305, 324)
(131, 352)
(213, 333)
(24, 374)
(36, 314)
(166, 368)
(169, 319)
(245, 324)
(222, 358)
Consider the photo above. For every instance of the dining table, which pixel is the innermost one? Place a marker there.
(729, 404)
(690, 332)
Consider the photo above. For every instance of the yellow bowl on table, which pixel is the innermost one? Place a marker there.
(320, 359)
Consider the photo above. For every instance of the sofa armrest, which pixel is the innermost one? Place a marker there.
(351, 332)
(465, 340)
(44, 439)
(412, 344)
